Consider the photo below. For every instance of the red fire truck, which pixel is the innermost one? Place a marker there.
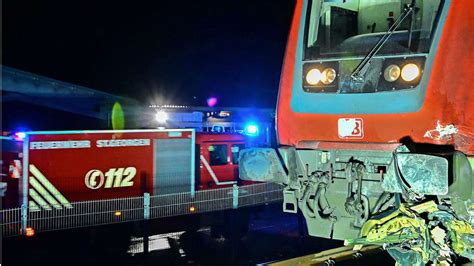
(61, 167)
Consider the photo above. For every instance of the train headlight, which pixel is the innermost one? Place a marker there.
(314, 76)
(410, 72)
(328, 76)
(321, 77)
(392, 73)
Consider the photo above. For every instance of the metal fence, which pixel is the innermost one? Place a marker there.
(259, 194)
(101, 212)
(11, 222)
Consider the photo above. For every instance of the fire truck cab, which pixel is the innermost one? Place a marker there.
(218, 156)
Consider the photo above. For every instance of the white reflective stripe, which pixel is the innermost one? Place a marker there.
(33, 206)
(43, 192)
(39, 200)
(49, 186)
(213, 175)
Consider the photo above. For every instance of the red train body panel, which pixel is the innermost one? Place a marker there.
(449, 97)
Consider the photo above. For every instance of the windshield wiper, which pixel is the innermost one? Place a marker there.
(359, 72)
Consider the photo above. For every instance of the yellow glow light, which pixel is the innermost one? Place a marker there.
(392, 73)
(118, 117)
(329, 75)
(410, 72)
(314, 76)
(29, 231)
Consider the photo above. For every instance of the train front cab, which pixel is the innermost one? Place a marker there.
(374, 113)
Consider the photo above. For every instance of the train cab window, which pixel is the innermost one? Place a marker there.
(353, 27)
(218, 154)
(235, 152)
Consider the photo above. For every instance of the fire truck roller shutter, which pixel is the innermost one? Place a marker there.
(172, 166)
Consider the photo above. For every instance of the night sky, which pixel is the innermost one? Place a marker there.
(175, 52)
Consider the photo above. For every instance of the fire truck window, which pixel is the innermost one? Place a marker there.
(235, 152)
(218, 154)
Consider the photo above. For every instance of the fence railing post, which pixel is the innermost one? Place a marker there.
(146, 217)
(146, 206)
(235, 196)
(24, 218)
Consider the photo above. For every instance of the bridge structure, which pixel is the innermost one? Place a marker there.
(41, 103)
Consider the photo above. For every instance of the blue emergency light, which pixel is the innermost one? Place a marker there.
(251, 129)
(218, 129)
(20, 136)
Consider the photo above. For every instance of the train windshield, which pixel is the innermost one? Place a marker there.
(350, 28)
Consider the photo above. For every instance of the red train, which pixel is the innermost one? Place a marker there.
(375, 119)
(53, 169)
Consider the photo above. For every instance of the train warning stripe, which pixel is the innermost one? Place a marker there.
(46, 189)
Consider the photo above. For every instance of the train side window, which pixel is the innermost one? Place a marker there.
(218, 154)
(236, 148)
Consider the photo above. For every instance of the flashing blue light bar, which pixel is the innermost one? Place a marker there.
(218, 129)
(20, 136)
(251, 130)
